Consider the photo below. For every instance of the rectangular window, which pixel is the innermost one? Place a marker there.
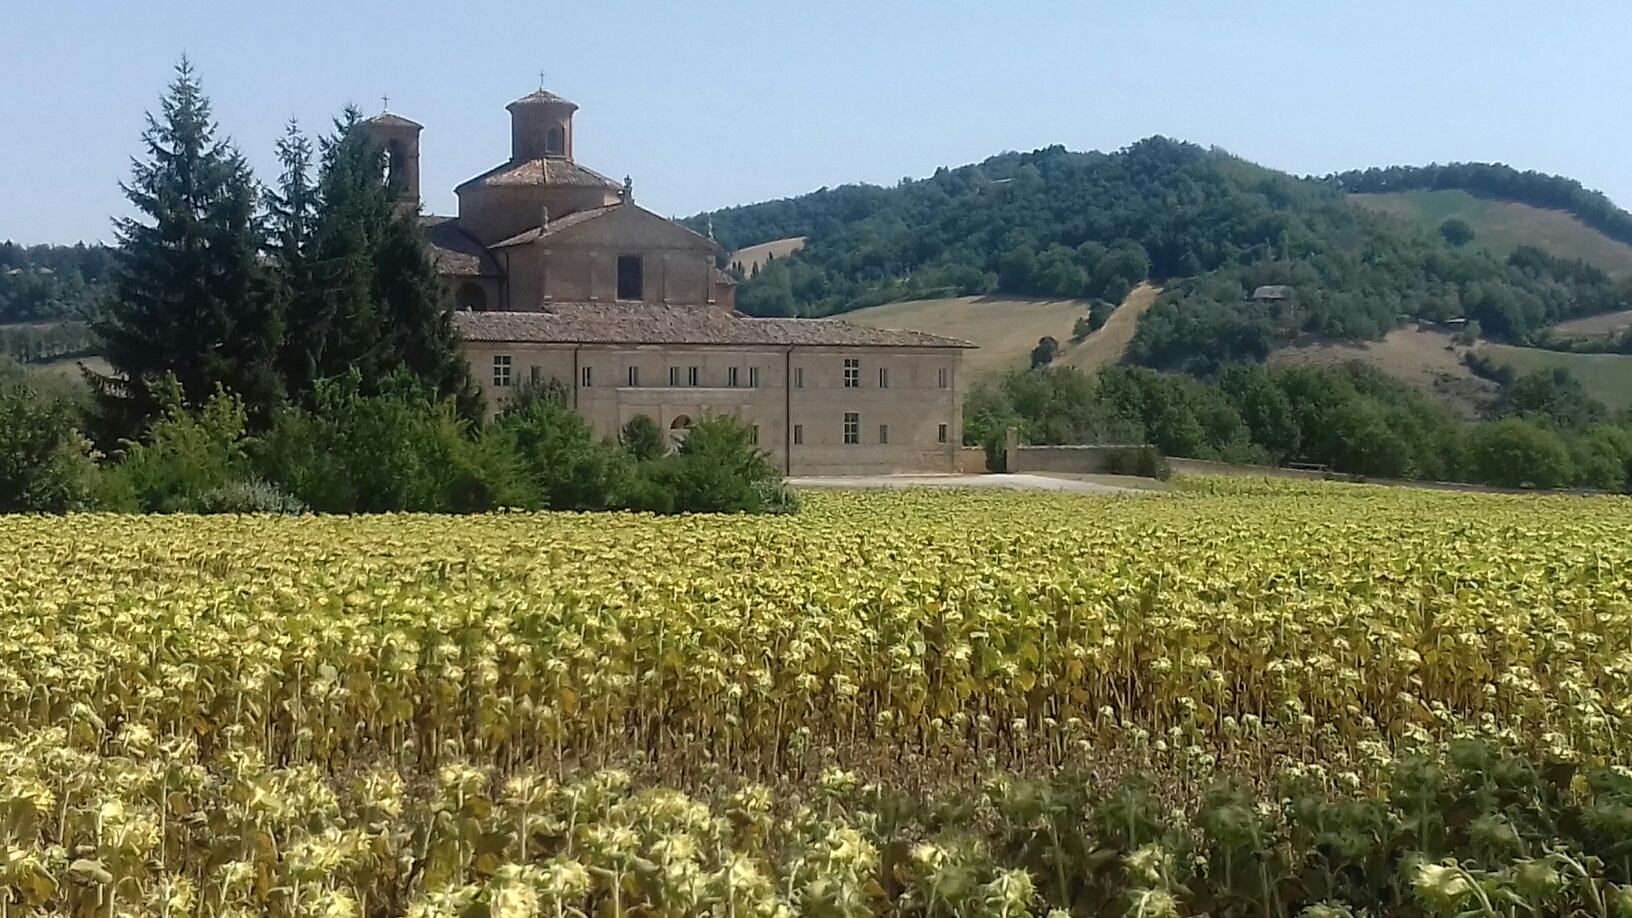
(852, 373)
(674, 376)
(753, 377)
(691, 376)
(883, 433)
(501, 369)
(631, 278)
(798, 435)
(634, 376)
(798, 377)
(731, 377)
(852, 428)
(753, 434)
(943, 377)
(535, 375)
(883, 377)
(586, 377)
(940, 434)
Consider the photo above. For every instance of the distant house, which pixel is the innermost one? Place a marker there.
(1272, 293)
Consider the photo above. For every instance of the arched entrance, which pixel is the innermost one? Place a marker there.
(678, 429)
(470, 297)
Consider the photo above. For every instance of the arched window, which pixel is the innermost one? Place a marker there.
(471, 297)
(555, 141)
(396, 166)
(678, 428)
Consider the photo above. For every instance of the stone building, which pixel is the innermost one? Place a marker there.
(556, 273)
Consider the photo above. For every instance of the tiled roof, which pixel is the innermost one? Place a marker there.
(391, 120)
(542, 98)
(557, 224)
(549, 171)
(453, 251)
(640, 323)
(720, 277)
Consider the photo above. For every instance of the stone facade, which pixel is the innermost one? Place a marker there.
(795, 397)
(556, 274)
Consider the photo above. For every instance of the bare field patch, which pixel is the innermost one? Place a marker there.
(1109, 344)
(1427, 360)
(755, 256)
(1005, 328)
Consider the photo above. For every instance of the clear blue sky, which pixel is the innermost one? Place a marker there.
(715, 103)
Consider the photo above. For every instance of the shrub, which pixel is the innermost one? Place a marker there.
(643, 439)
(566, 466)
(253, 496)
(396, 451)
(1048, 347)
(1144, 462)
(184, 457)
(1514, 453)
(45, 465)
(719, 470)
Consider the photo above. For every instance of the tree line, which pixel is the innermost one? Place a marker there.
(1495, 180)
(47, 283)
(291, 348)
(1545, 433)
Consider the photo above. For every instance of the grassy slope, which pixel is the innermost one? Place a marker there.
(1502, 226)
(1599, 326)
(1007, 328)
(1426, 360)
(1607, 377)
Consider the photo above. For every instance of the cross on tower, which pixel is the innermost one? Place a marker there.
(385, 103)
(541, 81)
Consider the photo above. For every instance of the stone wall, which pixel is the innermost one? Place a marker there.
(1072, 460)
(972, 460)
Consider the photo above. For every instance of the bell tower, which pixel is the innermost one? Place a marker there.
(399, 138)
(540, 127)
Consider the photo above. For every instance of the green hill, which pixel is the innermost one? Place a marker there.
(1209, 227)
(1503, 226)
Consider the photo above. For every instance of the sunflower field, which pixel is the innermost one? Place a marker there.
(1242, 699)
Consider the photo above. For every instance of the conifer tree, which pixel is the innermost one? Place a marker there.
(375, 305)
(190, 296)
(292, 212)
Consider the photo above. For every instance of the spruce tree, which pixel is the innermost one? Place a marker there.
(377, 307)
(292, 211)
(190, 295)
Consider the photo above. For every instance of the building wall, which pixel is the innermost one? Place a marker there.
(913, 408)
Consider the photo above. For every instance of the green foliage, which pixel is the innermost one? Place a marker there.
(718, 469)
(1351, 419)
(400, 450)
(1048, 347)
(185, 458)
(1515, 452)
(354, 277)
(44, 343)
(1554, 397)
(190, 296)
(1210, 226)
(568, 467)
(643, 439)
(45, 465)
(1450, 835)
(45, 283)
(1456, 232)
